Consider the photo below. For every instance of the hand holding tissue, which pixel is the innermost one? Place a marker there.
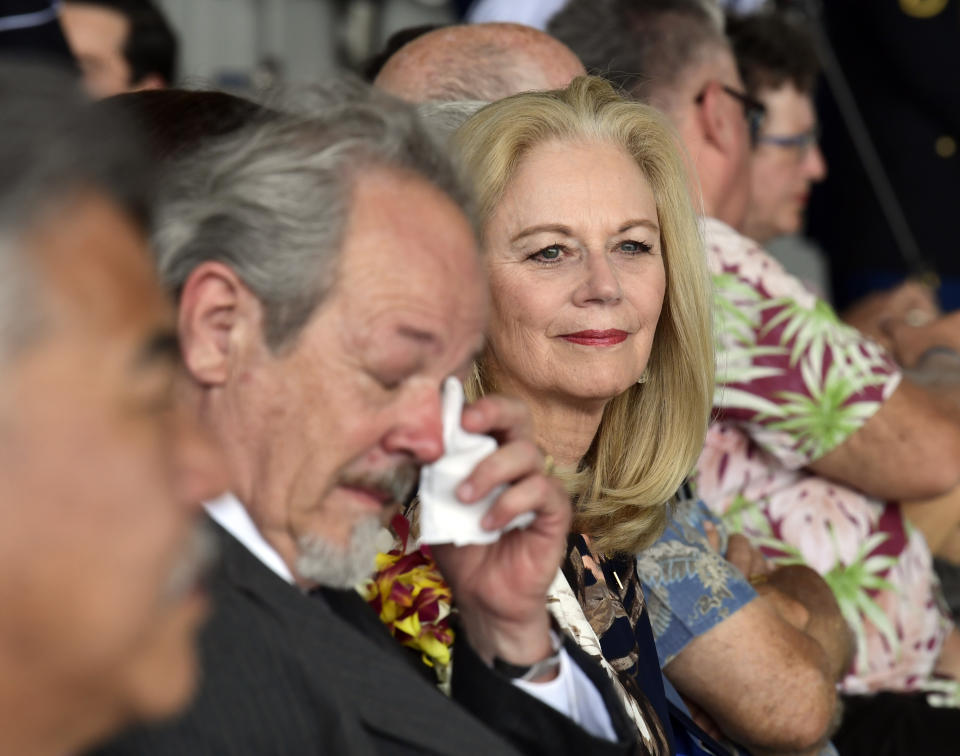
(443, 517)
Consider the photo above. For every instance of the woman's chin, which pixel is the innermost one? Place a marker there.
(596, 392)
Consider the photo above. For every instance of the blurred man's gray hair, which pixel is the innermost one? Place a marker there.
(644, 47)
(444, 118)
(272, 199)
(54, 147)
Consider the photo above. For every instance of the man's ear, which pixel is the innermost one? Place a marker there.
(217, 317)
(715, 119)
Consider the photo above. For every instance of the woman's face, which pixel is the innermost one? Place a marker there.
(576, 273)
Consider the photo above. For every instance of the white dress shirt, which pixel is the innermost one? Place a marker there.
(571, 692)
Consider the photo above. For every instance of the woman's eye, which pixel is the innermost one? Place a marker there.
(635, 247)
(548, 254)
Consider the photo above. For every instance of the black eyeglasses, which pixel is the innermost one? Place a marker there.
(754, 111)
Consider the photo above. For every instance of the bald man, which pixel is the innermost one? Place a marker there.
(478, 62)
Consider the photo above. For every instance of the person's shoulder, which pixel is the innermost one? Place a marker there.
(736, 260)
(259, 693)
(721, 238)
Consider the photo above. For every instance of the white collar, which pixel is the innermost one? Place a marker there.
(231, 515)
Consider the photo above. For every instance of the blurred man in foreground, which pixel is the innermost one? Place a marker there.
(100, 478)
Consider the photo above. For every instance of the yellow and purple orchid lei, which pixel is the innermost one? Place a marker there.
(412, 599)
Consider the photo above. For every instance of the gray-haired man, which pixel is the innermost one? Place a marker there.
(328, 283)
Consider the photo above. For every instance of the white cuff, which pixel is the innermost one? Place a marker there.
(575, 696)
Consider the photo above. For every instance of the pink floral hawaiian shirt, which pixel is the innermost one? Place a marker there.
(793, 383)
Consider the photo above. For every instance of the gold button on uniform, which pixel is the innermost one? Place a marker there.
(922, 8)
(946, 146)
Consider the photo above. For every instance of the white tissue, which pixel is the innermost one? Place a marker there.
(443, 517)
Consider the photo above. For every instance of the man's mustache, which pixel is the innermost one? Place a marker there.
(398, 483)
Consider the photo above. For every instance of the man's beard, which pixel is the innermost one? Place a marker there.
(336, 566)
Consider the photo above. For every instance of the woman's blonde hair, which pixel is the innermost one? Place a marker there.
(651, 435)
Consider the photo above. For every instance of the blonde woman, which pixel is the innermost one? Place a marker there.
(601, 323)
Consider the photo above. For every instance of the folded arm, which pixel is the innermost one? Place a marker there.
(766, 683)
(783, 652)
(909, 449)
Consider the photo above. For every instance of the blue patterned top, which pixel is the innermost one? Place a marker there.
(688, 586)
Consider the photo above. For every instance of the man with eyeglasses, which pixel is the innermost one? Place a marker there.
(778, 61)
(754, 111)
(779, 65)
(816, 438)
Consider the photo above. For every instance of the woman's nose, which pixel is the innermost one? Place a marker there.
(600, 282)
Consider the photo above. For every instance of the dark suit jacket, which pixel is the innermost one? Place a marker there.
(288, 674)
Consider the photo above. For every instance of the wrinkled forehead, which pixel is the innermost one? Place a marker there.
(410, 249)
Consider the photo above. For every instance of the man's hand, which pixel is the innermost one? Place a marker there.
(747, 558)
(824, 621)
(751, 563)
(912, 342)
(910, 302)
(500, 588)
(948, 662)
(796, 593)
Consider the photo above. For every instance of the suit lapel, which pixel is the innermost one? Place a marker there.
(367, 671)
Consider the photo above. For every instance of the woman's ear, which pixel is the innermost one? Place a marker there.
(217, 314)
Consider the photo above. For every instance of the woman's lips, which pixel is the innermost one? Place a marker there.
(596, 338)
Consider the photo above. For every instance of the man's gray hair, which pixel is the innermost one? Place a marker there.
(644, 47)
(54, 147)
(272, 199)
(444, 118)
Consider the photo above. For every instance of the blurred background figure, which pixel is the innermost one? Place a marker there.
(778, 64)
(477, 62)
(121, 45)
(779, 67)
(100, 478)
(532, 12)
(375, 63)
(900, 59)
